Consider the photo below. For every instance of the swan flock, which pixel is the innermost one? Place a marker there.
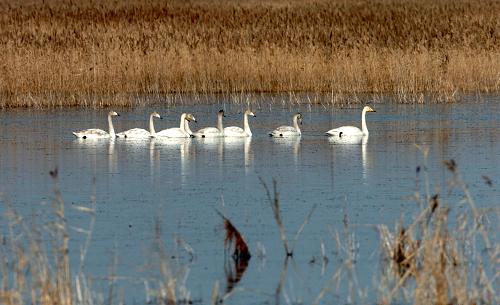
(343, 134)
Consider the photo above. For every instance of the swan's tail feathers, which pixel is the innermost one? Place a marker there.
(78, 135)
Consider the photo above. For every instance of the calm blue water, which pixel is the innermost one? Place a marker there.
(181, 184)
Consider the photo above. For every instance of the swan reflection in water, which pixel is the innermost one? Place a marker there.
(350, 142)
(134, 148)
(212, 145)
(289, 143)
(154, 159)
(100, 146)
(169, 147)
(112, 158)
(235, 143)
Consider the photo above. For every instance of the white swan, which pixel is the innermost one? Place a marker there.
(351, 130)
(94, 133)
(212, 132)
(179, 132)
(139, 133)
(289, 131)
(235, 131)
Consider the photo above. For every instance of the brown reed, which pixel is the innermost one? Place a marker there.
(235, 241)
(35, 265)
(100, 53)
(430, 257)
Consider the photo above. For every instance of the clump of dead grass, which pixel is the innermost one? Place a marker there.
(441, 260)
(38, 272)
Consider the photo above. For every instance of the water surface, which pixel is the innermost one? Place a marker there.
(181, 183)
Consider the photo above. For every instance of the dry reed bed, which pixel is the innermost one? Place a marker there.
(67, 53)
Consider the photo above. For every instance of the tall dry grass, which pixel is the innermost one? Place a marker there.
(35, 264)
(56, 53)
(447, 254)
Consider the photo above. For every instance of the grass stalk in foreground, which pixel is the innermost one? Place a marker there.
(274, 201)
(438, 260)
(40, 271)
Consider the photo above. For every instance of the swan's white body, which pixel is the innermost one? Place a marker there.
(179, 132)
(358, 139)
(212, 132)
(139, 133)
(288, 131)
(94, 133)
(235, 131)
(173, 133)
(351, 130)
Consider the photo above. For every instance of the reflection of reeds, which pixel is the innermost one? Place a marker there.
(274, 201)
(63, 53)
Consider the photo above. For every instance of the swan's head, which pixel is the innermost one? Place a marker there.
(113, 113)
(298, 116)
(221, 113)
(368, 109)
(248, 112)
(190, 117)
(156, 115)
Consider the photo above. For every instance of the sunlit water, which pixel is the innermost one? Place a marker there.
(180, 184)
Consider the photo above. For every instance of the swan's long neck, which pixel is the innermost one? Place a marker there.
(111, 129)
(296, 123)
(186, 127)
(152, 130)
(363, 122)
(246, 127)
(181, 126)
(219, 122)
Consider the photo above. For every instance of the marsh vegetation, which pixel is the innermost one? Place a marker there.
(98, 53)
